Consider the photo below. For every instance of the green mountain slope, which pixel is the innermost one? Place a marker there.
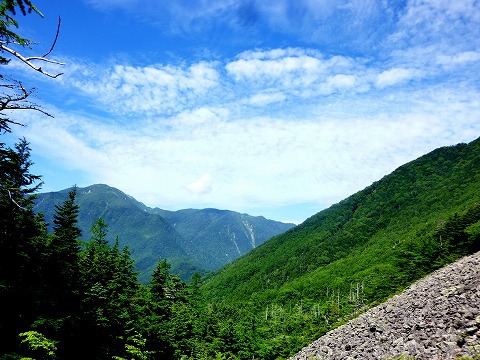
(235, 233)
(361, 250)
(191, 240)
(148, 235)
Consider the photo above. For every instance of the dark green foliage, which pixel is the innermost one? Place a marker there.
(109, 285)
(60, 300)
(456, 237)
(22, 243)
(65, 247)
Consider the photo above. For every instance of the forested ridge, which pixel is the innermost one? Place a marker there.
(192, 240)
(357, 253)
(388, 217)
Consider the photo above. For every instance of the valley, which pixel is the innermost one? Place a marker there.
(260, 296)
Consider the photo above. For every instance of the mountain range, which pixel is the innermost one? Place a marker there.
(282, 293)
(192, 240)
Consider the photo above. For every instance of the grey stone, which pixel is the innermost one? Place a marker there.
(438, 317)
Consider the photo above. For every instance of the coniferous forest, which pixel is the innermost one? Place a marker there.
(62, 298)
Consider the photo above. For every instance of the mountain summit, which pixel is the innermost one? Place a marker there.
(192, 240)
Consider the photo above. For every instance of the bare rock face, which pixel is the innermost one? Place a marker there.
(438, 317)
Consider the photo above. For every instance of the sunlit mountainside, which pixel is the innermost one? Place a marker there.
(192, 240)
(360, 251)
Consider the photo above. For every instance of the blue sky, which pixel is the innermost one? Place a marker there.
(274, 108)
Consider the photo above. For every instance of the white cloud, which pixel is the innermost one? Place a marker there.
(202, 186)
(395, 76)
(259, 77)
(285, 69)
(203, 158)
(150, 89)
(291, 67)
(256, 78)
(266, 98)
(341, 81)
(449, 24)
(464, 57)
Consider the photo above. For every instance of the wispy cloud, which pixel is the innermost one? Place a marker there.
(205, 157)
(340, 23)
(396, 76)
(262, 77)
(255, 78)
(364, 26)
(161, 89)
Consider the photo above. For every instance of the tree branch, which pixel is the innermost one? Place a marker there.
(11, 198)
(27, 60)
(55, 40)
(16, 99)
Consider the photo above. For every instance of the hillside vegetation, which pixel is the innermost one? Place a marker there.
(216, 237)
(191, 240)
(357, 252)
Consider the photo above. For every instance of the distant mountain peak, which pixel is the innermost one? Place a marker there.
(191, 239)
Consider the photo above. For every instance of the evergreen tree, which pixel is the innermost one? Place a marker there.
(61, 305)
(172, 315)
(109, 285)
(159, 284)
(22, 245)
(158, 316)
(65, 247)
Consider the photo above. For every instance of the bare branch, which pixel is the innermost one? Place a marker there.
(28, 62)
(45, 60)
(15, 97)
(56, 38)
(12, 200)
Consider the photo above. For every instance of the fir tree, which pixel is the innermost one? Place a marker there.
(22, 246)
(109, 285)
(65, 247)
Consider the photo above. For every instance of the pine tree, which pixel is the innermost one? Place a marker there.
(61, 303)
(157, 313)
(65, 247)
(109, 286)
(22, 245)
(160, 282)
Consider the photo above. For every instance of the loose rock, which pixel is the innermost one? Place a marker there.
(438, 317)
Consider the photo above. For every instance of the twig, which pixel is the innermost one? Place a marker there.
(56, 37)
(18, 205)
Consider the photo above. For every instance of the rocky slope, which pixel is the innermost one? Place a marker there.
(437, 317)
